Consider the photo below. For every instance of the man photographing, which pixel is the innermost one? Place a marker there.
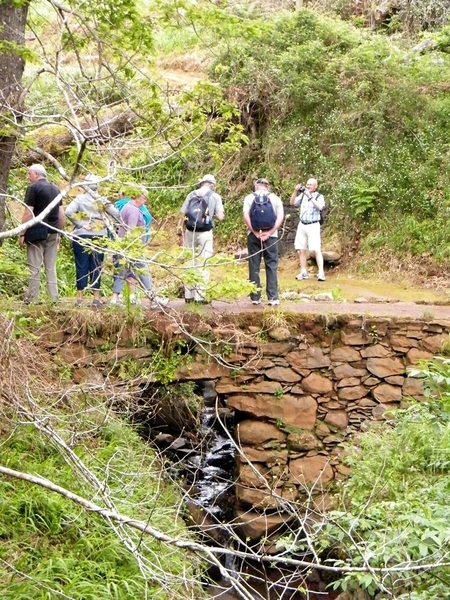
(311, 203)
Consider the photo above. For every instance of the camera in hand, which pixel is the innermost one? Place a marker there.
(301, 189)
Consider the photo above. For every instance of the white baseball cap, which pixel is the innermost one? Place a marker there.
(208, 179)
(91, 182)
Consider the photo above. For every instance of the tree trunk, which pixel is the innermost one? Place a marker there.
(57, 139)
(12, 37)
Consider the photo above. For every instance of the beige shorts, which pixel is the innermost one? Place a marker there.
(308, 237)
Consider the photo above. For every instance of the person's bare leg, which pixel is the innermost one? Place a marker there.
(302, 254)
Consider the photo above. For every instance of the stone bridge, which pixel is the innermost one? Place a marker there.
(304, 388)
(301, 384)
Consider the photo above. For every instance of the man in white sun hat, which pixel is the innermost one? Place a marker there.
(195, 228)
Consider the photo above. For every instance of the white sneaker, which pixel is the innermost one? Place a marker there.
(118, 301)
(321, 277)
(273, 302)
(157, 302)
(256, 302)
(302, 275)
(134, 300)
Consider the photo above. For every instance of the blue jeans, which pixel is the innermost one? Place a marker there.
(269, 250)
(131, 269)
(88, 264)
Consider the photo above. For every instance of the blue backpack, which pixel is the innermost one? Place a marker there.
(120, 204)
(262, 214)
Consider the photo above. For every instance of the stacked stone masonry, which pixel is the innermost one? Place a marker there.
(300, 390)
(298, 399)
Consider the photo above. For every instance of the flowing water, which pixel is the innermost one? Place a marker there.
(208, 470)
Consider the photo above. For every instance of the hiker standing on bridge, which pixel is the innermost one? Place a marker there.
(199, 209)
(263, 215)
(134, 270)
(41, 241)
(311, 203)
(86, 211)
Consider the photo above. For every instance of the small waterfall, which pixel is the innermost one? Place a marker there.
(207, 465)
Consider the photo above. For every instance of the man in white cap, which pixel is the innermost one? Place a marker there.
(41, 241)
(199, 209)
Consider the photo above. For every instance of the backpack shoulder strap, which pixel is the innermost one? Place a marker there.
(263, 194)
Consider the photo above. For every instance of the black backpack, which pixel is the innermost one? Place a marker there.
(197, 216)
(262, 214)
(323, 213)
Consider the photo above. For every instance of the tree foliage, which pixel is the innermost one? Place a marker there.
(393, 509)
(367, 116)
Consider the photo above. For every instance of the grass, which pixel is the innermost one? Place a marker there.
(49, 545)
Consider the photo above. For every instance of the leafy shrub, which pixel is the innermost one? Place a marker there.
(354, 109)
(393, 509)
(62, 549)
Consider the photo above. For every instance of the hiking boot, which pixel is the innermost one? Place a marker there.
(275, 302)
(97, 303)
(302, 275)
(321, 277)
(78, 303)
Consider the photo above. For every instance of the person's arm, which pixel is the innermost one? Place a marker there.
(180, 230)
(318, 201)
(246, 213)
(280, 215)
(181, 227)
(27, 216)
(247, 221)
(28, 213)
(219, 212)
(109, 208)
(73, 209)
(61, 217)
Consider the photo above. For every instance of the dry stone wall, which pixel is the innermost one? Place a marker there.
(297, 399)
(300, 386)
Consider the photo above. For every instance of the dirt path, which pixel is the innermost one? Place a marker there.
(403, 310)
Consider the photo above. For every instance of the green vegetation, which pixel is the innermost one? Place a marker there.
(362, 112)
(394, 506)
(63, 549)
(291, 94)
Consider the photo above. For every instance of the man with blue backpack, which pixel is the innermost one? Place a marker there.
(263, 215)
(199, 209)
